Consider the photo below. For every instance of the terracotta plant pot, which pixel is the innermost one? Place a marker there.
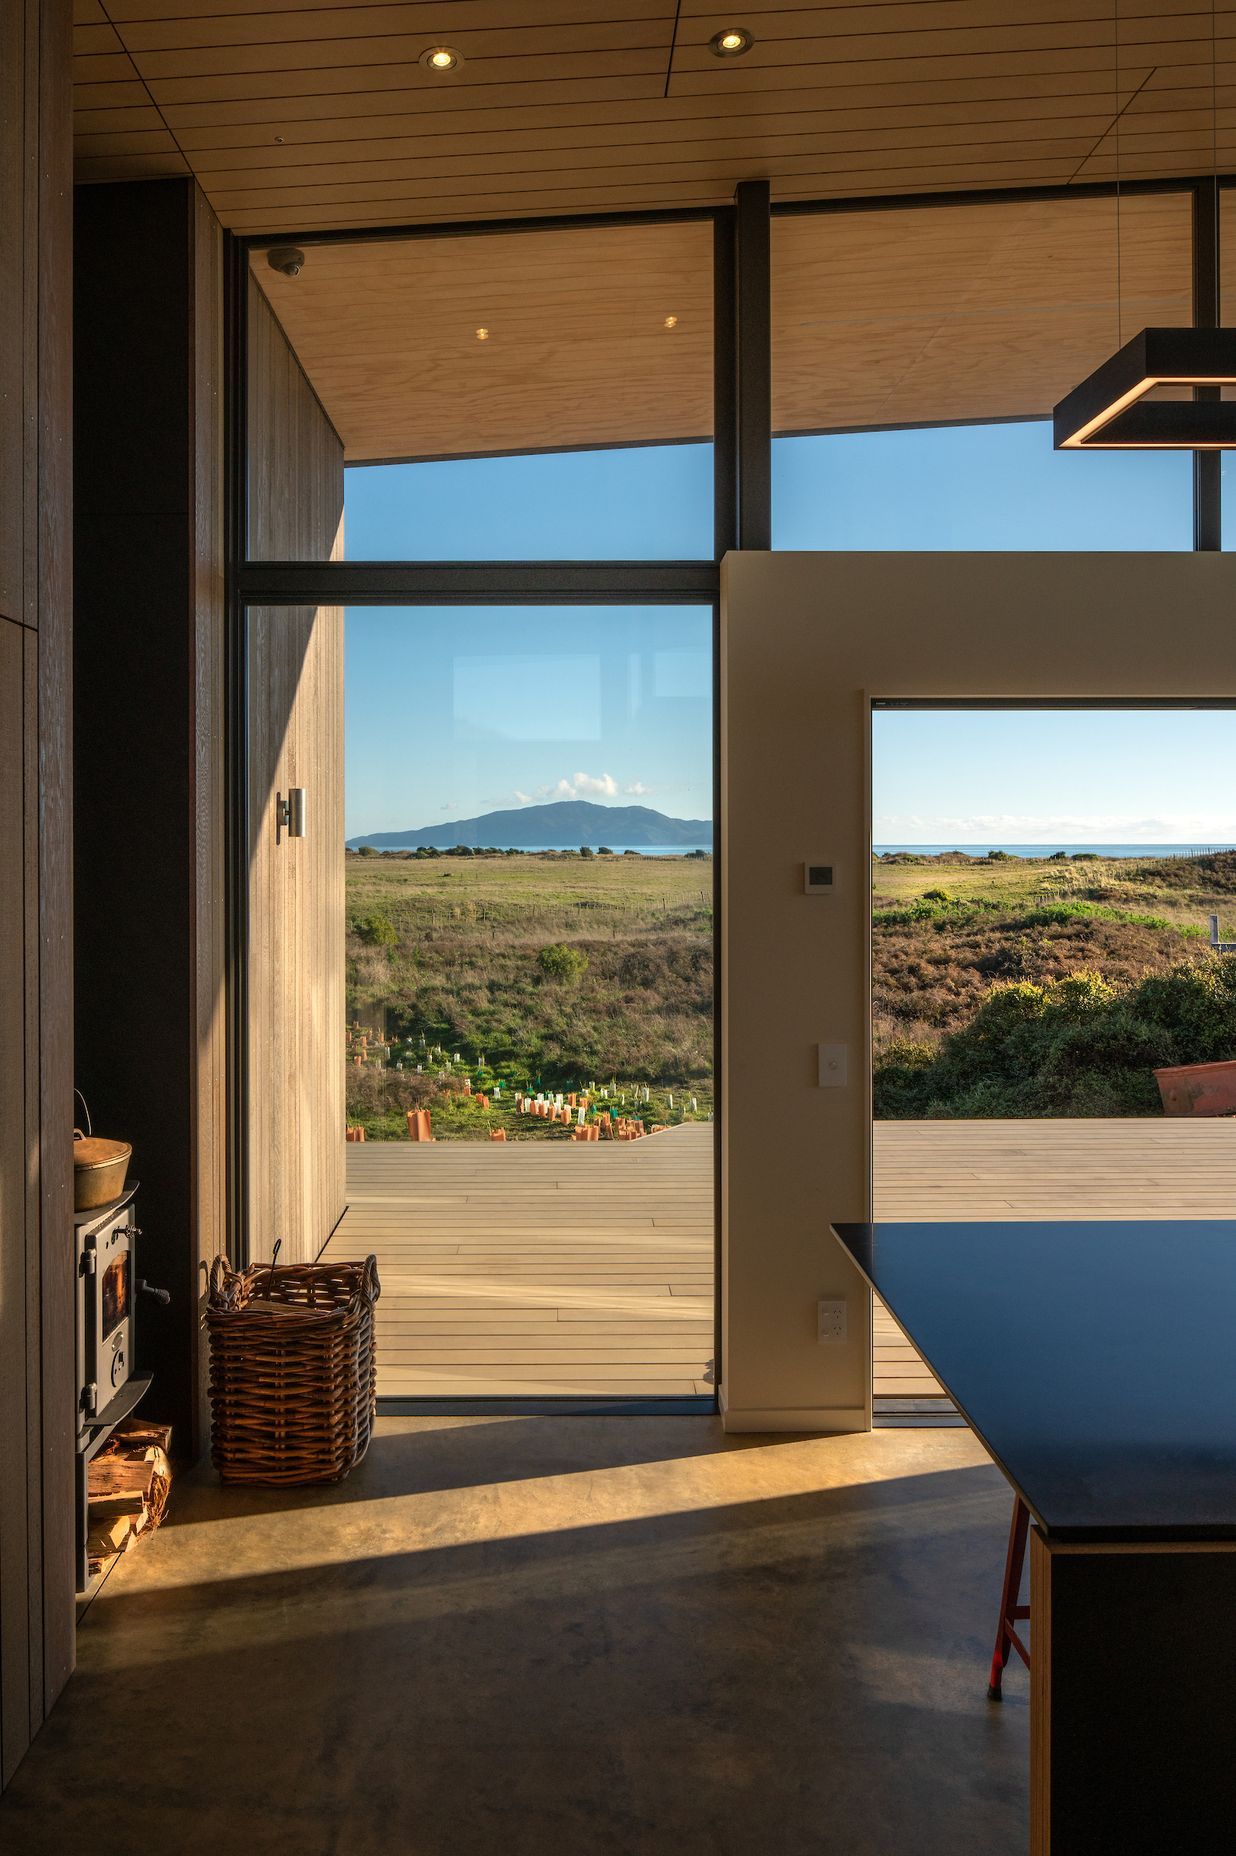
(1198, 1089)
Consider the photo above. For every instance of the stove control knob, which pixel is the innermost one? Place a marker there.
(118, 1367)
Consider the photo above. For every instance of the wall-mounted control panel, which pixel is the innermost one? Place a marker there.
(819, 879)
(834, 1065)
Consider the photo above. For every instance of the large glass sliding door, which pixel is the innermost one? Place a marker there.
(520, 1105)
(529, 997)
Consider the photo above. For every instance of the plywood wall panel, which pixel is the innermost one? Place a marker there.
(37, 1372)
(208, 769)
(18, 1220)
(296, 898)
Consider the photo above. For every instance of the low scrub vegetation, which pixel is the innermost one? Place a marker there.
(1081, 1045)
(1019, 987)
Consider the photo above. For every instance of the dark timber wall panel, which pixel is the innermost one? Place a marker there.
(296, 907)
(151, 1016)
(36, 1290)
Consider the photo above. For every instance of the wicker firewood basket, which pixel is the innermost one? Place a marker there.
(293, 1369)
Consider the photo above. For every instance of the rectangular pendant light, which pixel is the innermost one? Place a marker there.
(1109, 411)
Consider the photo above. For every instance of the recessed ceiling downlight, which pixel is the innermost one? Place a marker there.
(441, 58)
(731, 43)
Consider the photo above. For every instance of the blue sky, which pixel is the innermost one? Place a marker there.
(1054, 776)
(452, 712)
(456, 711)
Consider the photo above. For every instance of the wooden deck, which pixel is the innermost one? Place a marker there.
(542, 1269)
(1034, 1169)
(539, 1269)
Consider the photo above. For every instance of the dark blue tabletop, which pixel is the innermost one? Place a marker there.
(1095, 1361)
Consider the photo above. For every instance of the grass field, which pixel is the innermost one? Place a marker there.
(1000, 986)
(537, 971)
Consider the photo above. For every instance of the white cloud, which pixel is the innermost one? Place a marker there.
(602, 785)
(637, 789)
(577, 786)
(1048, 828)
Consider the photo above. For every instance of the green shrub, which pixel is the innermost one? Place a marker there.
(1075, 1046)
(936, 906)
(560, 961)
(1050, 912)
(378, 930)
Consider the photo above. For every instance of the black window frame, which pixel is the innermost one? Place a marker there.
(742, 467)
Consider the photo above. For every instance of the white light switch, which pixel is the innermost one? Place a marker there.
(834, 1065)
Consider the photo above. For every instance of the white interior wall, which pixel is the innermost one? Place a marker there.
(808, 641)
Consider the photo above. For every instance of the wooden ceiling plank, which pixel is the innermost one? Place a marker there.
(780, 23)
(676, 158)
(503, 58)
(102, 68)
(348, 138)
(308, 215)
(124, 141)
(1153, 45)
(138, 166)
(717, 186)
(438, 18)
(637, 97)
(96, 36)
(569, 75)
(87, 123)
(1068, 60)
(94, 97)
(482, 31)
(573, 80)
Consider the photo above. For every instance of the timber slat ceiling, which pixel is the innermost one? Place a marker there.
(300, 117)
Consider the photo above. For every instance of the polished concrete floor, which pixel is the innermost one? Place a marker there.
(576, 1635)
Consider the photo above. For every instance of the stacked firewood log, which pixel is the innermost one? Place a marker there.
(129, 1483)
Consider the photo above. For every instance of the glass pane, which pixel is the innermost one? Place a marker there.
(521, 395)
(918, 353)
(1227, 310)
(529, 996)
(976, 486)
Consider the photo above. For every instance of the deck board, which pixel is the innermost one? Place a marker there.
(550, 1270)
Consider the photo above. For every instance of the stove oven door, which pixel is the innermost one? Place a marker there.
(110, 1324)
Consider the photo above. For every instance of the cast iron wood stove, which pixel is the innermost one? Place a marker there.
(108, 1387)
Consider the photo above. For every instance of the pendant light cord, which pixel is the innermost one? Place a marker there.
(1116, 67)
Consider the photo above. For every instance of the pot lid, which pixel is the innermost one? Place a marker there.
(92, 1150)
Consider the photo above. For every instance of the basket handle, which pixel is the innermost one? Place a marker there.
(270, 1274)
(85, 1111)
(218, 1270)
(371, 1288)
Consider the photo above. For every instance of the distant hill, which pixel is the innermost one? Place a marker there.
(565, 825)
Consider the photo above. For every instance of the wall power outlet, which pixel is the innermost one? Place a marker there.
(831, 1322)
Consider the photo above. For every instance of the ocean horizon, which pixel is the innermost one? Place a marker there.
(988, 845)
(641, 850)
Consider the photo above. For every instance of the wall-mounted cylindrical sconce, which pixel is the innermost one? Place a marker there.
(290, 813)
